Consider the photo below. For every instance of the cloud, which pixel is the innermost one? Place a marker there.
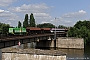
(41, 15)
(44, 22)
(39, 11)
(4, 13)
(78, 14)
(1, 11)
(8, 17)
(6, 2)
(82, 11)
(69, 19)
(31, 8)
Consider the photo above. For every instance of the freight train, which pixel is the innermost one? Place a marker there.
(34, 30)
(28, 31)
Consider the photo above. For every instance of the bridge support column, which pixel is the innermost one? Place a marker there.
(28, 45)
(55, 44)
(47, 44)
(32, 44)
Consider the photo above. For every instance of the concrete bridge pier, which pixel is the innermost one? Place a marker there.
(62, 42)
(46, 44)
(28, 45)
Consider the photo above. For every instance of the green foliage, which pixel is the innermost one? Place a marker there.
(19, 24)
(46, 25)
(25, 23)
(61, 26)
(85, 23)
(4, 28)
(82, 30)
(32, 21)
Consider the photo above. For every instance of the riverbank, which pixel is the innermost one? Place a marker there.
(32, 54)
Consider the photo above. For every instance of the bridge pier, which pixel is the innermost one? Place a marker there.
(62, 42)
(46, 44)
(28, 45)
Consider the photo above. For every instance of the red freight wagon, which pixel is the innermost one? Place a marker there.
(33, 30)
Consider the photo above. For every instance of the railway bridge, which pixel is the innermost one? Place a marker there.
(46, 40)
(41, 39)
(44, 37)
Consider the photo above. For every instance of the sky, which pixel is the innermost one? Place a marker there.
(57, 12)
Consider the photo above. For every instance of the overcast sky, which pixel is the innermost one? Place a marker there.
(67, 12)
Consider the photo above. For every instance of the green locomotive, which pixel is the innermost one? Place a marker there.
(17, 31)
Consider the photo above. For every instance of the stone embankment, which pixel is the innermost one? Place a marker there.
(76, 43)
(32, 54)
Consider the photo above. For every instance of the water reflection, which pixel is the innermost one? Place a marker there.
(87, 51)
(70, 52)
(77, 54)
(74, 54)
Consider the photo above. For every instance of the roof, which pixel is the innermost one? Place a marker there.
(33, 28)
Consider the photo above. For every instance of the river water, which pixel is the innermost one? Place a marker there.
(78, 54)
(73, 54)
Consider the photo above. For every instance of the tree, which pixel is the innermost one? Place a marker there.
(46, 25)
(25, 23)
(32, 21)
(78, 24)
(85, 23)
(61, 26)
(81, 29)
(19, 24)
(71, 32)
(4, 28)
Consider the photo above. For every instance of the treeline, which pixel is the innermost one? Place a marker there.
(81, 30)
(49, 25)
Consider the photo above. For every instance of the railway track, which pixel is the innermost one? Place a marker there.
(23, 37)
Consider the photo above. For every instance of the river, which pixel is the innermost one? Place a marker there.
(77, 54)
(73, 54)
